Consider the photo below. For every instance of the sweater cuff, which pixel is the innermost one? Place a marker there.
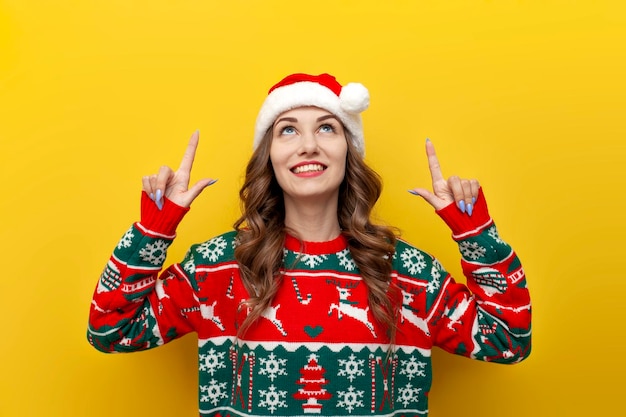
(462, 224)
(164, 221)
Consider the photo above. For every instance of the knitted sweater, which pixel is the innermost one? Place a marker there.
(317, 349)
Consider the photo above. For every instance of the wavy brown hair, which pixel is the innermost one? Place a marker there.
(261, 235)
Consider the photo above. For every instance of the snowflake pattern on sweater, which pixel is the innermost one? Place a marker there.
(317, 349)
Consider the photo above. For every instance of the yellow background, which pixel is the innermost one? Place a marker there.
(527, 96)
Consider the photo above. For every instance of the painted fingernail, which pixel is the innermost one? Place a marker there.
(473, 200)
(159, 199)
(461, 205)
(413, 192)
(212, 182)
(427, 139)
(470, 208)
(152, 196)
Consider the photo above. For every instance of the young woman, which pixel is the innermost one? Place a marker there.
(307, 307)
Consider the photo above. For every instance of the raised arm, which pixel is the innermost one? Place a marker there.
(490, 318)
(131, 308)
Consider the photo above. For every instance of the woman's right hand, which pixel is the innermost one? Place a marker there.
(175, 184)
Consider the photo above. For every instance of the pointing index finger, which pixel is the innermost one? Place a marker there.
(433, 162)
(190, 153)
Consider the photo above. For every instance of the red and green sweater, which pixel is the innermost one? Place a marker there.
(317, 349)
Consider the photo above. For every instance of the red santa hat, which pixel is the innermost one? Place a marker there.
(323, 91)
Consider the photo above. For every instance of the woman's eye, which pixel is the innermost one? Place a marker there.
(289, 130)
(326, 129)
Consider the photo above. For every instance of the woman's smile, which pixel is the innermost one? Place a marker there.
(308, 169)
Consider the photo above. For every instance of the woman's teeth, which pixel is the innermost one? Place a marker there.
(308, 168)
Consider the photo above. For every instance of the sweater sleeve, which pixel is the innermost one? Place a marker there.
(490, 318)
(132, 307)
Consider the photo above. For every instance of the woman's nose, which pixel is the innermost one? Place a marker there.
(309, 143)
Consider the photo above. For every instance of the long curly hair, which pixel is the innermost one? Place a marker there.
(261, 235)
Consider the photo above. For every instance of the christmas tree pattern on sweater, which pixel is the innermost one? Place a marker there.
(317, 350)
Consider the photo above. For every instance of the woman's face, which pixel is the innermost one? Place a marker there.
(308, 153)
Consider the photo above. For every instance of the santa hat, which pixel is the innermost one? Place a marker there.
(323, 91)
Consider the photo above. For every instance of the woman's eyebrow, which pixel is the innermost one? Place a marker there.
(327, 116)
(286, 119)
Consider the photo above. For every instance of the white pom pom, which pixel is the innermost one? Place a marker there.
(354, 98)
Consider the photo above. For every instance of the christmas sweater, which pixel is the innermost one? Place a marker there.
(317, 349)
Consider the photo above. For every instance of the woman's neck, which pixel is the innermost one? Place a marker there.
(312, 221)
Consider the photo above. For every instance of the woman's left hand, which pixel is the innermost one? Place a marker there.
(461, 191)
